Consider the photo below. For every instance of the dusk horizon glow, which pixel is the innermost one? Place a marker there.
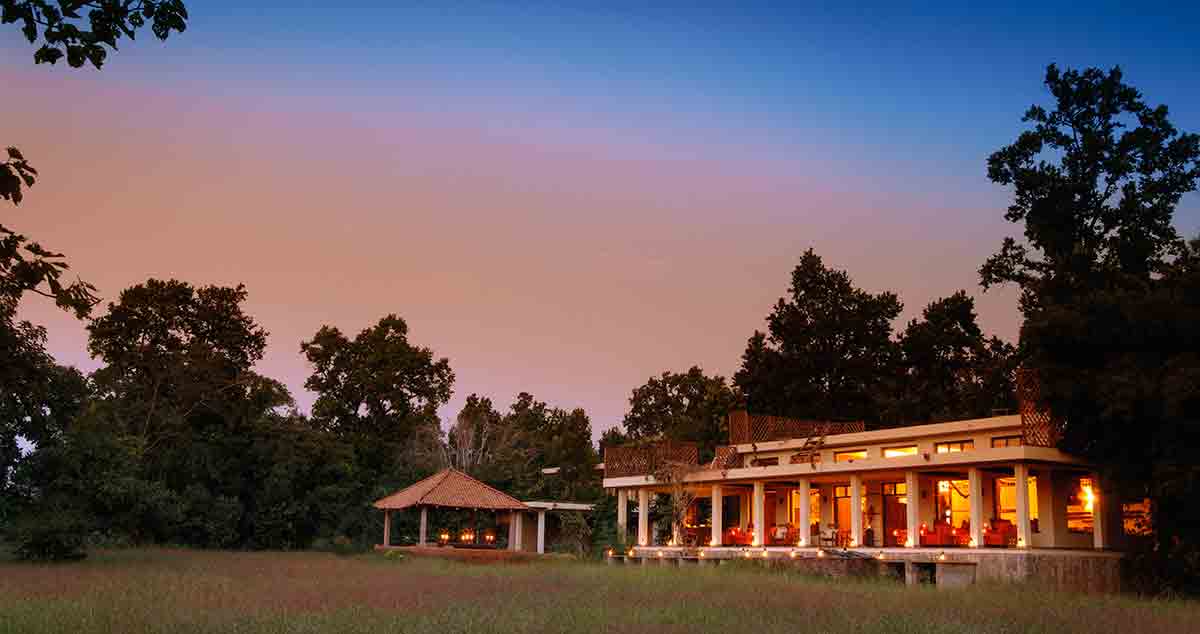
(561, 202)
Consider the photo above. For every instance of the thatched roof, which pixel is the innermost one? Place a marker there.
(451, 488)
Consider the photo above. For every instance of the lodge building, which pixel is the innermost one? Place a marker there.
(991, 492)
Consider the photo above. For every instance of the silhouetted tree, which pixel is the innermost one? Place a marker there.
(948, 369)
(827, 352)
(689, 406)
(1111, 294)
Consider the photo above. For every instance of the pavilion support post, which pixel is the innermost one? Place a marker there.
(518, 530)
(802, 490)
(975, 493)
(912, 494)
(718, 513)
(387, 528)
(856, 511)
(423, 533)
(643, 517)
(1100, 514)
(760, 513)
(1024, 529)
(622, 515)
(541, 535)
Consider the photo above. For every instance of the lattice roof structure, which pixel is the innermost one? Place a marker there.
(451, 488)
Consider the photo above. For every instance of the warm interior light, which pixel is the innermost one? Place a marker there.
(972, 543)
(764, 553)
(660, 553)
(801, 544)
(1089, 496)
(908, 543)
(820, 553)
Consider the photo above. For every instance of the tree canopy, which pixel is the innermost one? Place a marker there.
(1109, 292)
(689, 406)
(827, 352)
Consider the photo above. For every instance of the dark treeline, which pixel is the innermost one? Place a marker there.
(176, 439)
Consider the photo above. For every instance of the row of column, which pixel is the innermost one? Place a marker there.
(912, 483)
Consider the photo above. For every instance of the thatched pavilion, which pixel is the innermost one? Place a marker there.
(454, 489)
(449, 488)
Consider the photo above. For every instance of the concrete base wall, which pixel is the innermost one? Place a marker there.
(1069, 570)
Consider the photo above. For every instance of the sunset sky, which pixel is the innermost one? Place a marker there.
(563, 202)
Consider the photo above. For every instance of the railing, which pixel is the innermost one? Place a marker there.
(745, 428)
(1039, 427)
(726, 458)
(633, 460)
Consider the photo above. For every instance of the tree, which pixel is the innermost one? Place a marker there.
(1111, 295)
(827, 352)
(689, 407)
(948, 369)
(473, 437)
(376, 384)
(378, 394)
(173, 352)
(63, 31)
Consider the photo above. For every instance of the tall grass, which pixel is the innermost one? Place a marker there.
(154, 590)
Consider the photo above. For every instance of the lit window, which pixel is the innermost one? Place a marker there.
(1080, 505)
(1135, 517)
(1005, 500)
(850, 456)
(895, 488)
(1006, 441)
(896, 452)
(955, 447)
(953, 502)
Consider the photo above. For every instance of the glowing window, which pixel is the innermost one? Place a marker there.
(955, 446)
(850, 456)
(953, 502)
(1006, 499)
(1079, 506)
(896, 452)
(895, 488)
(1006, 441)
(1135, 517)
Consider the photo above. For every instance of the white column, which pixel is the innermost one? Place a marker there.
(1099, 514)
(423, 532)
(622, 515)
(387, 527)
(1024, 530)
(760, 514)
(541, 538)
(643, 517)
(912, 486)
(518, 530)
(803, 490)
(856, 510)
(718, 512)
(975, 500)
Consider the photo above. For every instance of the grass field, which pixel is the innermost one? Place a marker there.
(159, 590)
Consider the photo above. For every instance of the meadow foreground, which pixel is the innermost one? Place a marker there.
(160, 590)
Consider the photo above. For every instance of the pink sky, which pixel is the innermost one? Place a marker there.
(556, 255)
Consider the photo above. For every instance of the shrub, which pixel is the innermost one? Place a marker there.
(51, 535)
